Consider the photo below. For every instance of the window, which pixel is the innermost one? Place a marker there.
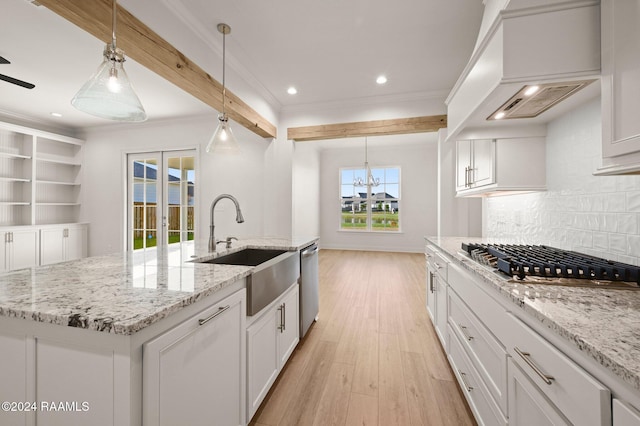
(370, 205)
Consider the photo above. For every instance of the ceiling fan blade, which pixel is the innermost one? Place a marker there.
(17, 82)
(4, 61)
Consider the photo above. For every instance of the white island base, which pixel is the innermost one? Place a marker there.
(57, 375)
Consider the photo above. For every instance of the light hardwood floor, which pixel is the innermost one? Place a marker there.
(373, 357)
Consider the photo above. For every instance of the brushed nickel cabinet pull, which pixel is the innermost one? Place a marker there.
(212, 316)
(284, 317)
(465, 334)
(464, 381)
(526, 356)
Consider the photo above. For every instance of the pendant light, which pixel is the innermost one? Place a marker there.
(223, 141)
(370, 180)
(108, 93)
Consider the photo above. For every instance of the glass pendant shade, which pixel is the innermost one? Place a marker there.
(223, 141)
(109, 93)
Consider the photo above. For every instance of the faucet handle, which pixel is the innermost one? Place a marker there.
(228, 241)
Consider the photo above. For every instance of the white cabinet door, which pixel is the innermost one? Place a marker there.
(52, 242)
(4, 252)
(271, 340)
(76, 242)
(484, 155)
(194, 373)
(527, 405)
(289, 333)
(441, 310)
(262, 358)
(13, 374)
(59, 244)
(624, 415)
(463, 164)
(620, 77)
(23, 248)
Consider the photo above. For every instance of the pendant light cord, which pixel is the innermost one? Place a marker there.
(224, 50)
(113, 25)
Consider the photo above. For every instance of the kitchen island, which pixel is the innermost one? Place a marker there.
(73, 332)
(595, 328)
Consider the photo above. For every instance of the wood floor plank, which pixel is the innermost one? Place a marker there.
(334, 402)
(363, 410)
(374, 338)
(392, 402)
(302, 409)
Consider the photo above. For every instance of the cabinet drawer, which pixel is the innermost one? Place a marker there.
(582, 399)
(436, 262)
(624, 414)
(490, 312)
(482, 404)
(485, 352)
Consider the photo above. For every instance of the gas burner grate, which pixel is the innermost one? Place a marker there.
(545, 261)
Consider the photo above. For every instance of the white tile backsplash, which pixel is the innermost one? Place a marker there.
(597, 215)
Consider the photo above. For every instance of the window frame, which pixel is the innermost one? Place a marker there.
(370, 200)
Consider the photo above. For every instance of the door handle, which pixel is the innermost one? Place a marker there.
(310, 252)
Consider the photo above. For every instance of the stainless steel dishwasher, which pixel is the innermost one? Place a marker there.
(309, 298)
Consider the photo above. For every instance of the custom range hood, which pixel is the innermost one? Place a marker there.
(533, 60)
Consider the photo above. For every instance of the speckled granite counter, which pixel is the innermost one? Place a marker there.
(123, 293)
(604, 324)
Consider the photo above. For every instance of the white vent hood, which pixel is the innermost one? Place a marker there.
(547, 43)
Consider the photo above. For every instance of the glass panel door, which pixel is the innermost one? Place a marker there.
(180, 195)
(161, 198)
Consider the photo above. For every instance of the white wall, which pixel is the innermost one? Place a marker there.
(104, 177)
(598, 215)
(418, 164)
(306, 186)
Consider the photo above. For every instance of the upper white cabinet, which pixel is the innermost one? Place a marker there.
(39, 177)
(620, 87)
(475, 163)
(491, 166)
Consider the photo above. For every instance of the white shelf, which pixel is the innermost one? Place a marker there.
(14, 203)
(57, 204)
(57, 161)
(53, 182)
(13, 179)
(17, 156)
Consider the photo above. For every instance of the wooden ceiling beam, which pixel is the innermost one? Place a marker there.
(368, 128)
(147, 48)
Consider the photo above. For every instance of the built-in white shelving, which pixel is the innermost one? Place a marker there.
(39, 177)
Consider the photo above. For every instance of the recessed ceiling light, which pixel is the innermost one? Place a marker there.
(292, 90)
(381, 79)
(531, 90)
(56, 114)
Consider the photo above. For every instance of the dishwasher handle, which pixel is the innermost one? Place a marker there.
(310, 251)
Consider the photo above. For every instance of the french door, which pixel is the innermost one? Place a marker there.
(160, 198)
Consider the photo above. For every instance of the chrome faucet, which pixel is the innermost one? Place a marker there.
(239, 218)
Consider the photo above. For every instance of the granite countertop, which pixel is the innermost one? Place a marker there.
(126, 292)
(601, 323)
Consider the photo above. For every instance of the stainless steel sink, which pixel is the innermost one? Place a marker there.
(247, 257)
(274, 272)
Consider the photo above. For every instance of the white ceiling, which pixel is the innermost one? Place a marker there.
(330, 50)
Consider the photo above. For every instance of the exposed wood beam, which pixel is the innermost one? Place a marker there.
(147, 48)
(368, 128)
